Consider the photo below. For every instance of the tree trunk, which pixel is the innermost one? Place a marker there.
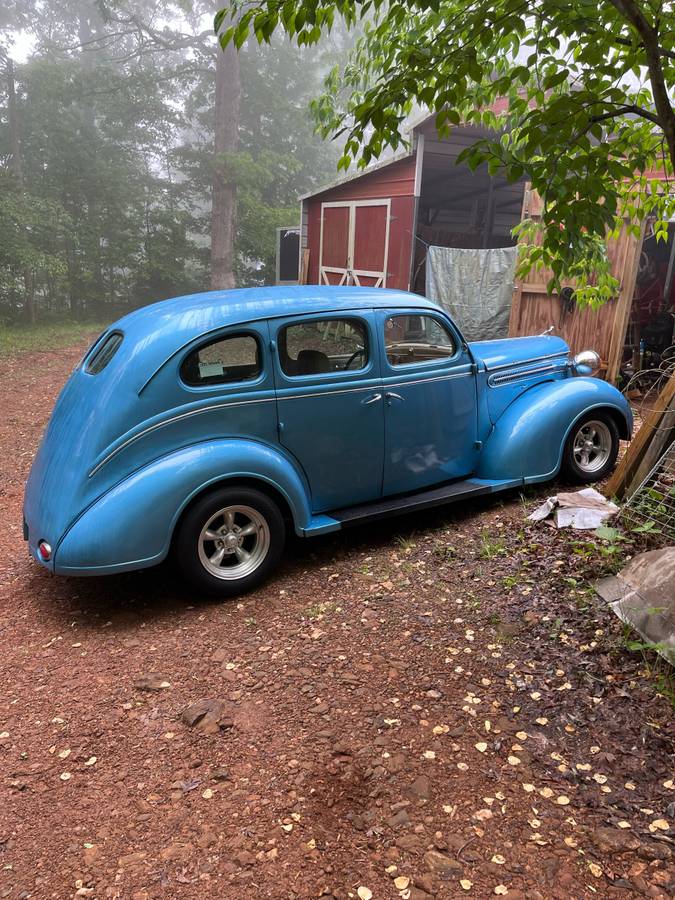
(89, 22)
(224, 192)
(16, 167)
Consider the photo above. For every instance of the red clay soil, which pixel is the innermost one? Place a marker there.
(442, 714)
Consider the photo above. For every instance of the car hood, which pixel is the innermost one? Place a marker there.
(517, 351)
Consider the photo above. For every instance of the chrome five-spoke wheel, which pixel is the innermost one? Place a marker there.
(230, 540)
(592, 446)
(234, 542)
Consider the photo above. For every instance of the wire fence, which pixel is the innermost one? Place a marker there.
(644, 387)
(651, 508)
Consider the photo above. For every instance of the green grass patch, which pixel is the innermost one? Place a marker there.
(17, 339)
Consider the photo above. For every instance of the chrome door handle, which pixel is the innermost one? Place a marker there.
(390, 395)
(372, 399)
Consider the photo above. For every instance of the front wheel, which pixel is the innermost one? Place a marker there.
(230, 541)
(591, 448)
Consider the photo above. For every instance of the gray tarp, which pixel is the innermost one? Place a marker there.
(475, 286)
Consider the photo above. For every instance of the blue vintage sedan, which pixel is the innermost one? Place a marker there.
(207, 426)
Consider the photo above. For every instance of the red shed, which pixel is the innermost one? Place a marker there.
(386, 226)
(372, 228)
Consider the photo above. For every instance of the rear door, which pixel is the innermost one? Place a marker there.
(430, 401)
(330, 404)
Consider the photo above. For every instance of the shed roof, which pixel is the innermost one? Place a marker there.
(364, 173)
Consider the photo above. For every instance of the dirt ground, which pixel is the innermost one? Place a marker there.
(435, 706)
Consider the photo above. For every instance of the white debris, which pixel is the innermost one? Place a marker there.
(586, 509)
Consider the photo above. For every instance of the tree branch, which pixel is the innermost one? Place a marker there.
(653, 51)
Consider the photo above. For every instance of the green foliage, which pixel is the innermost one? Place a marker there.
(109, 205)
(575, 96)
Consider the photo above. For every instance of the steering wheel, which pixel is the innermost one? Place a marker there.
(360, 352)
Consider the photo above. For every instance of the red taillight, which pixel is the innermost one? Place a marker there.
(44, 550)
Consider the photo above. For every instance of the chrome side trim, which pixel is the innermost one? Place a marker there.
(516, 374)
(526, 362)
(386, 384)
(325, 393)
(194, 412)
(425, 380)
(170, 421)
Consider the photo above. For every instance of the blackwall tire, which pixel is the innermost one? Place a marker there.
(230, 541)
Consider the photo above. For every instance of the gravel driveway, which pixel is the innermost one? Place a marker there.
(432, 707)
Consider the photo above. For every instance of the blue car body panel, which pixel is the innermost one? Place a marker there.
(509, 352)
(529, 437)
(422, 446)
(128, 448)
(327, 424)
(142, 510)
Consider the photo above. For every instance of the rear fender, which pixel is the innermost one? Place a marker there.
(132, 524)
(527, 440)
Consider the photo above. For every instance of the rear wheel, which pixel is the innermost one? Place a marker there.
(230, 541)
(591, 448)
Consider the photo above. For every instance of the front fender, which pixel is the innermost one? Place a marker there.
(131, 525)
(527, 440)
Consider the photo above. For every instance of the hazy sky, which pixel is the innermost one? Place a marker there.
(20, 45)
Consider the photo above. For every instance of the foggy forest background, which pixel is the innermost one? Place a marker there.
(138, 161)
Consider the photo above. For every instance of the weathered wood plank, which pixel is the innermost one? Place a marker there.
(625, 471)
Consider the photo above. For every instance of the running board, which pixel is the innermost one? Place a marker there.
(394, 506)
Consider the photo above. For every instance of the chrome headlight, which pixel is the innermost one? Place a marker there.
(586, 363)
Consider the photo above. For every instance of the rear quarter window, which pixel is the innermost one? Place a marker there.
(102, 352)
(227, 360)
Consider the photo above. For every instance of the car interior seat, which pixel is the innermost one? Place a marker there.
(312, 362)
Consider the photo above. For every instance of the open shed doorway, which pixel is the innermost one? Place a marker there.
(650, 338)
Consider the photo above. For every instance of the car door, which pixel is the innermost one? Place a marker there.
(330, 404)
(429, 383)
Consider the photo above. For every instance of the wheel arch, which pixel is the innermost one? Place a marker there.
(620, 421)
(529, 437)
(132, 525)
(271, 491)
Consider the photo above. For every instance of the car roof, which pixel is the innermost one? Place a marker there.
(156, 332)
(199, 313)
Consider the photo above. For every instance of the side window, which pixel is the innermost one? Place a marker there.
(412, 339)
(223, 361)
(328, 345)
